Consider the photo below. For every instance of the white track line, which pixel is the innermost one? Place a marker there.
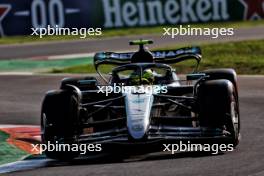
(23, 165)
(16, 73)
(15, 126)
(70, 56)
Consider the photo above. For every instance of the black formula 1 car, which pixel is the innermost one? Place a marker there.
(143, 102)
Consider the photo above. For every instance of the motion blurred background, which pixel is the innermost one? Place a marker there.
(120, 21)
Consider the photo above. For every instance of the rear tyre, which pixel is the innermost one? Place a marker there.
(59, 122)
(80, 82)
(224, 73)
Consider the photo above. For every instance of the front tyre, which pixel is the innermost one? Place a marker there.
(218, 107)
(59, 122)
(233, 123)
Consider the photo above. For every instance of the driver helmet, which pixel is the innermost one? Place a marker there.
(147, 78)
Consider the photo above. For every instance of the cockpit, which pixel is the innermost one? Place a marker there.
(143, 74)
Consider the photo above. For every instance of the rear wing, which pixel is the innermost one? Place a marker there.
(162, 56)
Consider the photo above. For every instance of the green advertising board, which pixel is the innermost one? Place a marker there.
(17, 17)
(131, 13)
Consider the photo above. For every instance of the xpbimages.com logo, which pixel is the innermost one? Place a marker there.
(50, 31)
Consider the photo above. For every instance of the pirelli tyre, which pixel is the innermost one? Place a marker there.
(59, 122)
(218, 107)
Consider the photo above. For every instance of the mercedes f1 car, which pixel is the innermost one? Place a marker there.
(200, 106)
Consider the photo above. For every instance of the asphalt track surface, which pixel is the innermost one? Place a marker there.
(20, 103)
(36, 50)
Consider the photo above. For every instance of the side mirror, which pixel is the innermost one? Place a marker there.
(194, 76)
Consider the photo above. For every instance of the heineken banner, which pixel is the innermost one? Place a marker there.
(17, 17)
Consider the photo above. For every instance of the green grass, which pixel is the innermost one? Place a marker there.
(9, 153)
(85, 68)
(126, 32)
(246, 57)
(40, 65)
